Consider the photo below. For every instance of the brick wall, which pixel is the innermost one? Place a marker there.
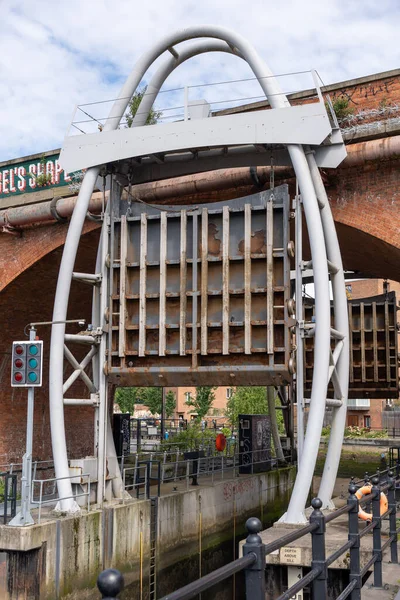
(27, 299)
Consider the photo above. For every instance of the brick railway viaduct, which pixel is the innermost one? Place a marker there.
(365, 197)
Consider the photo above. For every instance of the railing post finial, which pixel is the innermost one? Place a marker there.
(110, 583)
(255, 573)
(319, 585)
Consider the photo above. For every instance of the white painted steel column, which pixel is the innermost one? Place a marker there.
(97, 322)
(102, 379)
(341, 324)
(298, 499)
(299, 339)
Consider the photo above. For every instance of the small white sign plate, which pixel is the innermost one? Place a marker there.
(290, 555)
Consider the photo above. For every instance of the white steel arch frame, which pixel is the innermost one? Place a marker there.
(323, 243)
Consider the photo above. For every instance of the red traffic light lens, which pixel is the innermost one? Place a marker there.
(19, 350)
(18, 363)
(18, 376)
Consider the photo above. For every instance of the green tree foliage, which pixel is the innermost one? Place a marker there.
(126, 398)
(170, 404)
(133, 106)
(250, 401)
(202, 403)
(152, 398)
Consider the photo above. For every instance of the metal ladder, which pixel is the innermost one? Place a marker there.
(153, 548)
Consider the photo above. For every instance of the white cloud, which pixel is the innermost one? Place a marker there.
(54, 55)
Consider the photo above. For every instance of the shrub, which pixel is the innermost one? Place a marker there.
(189, 439)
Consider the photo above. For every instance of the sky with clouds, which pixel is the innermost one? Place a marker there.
(54, 55)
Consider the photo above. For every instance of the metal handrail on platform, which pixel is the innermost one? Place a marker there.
(255, 551)
(41, 482)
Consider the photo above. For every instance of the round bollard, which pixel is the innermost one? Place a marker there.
(110, 583)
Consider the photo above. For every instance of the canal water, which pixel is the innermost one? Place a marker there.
(188, 569)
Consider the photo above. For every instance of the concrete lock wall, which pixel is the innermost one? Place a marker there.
(59, 557)
(215, 512)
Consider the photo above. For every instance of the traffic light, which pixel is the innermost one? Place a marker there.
(27, 363)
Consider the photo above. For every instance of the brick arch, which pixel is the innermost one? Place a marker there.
(20, 253)
(29, 297)
(368, 254)
(367, 198)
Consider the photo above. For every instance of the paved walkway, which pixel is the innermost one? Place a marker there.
(391, 578)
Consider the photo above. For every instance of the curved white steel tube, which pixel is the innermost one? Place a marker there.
(66, 503)
(277, 100)
(341, 324)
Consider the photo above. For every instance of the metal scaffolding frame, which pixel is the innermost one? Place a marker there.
(325, 258)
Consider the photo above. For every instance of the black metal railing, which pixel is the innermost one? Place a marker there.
(8, 496)
(255, 551)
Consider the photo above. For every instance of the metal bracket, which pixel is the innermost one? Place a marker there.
(54, 213)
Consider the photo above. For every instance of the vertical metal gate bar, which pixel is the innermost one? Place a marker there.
(163, 281)
(122, 287)
(375, 341)
(247, 279)
(194, 287)
(183, 279)
(115, 193)
(142, 284)
(299, 318)
(362, 336)
(270, 276)
(204, 279)
(387, 341)
(225, 280)
(351, 342)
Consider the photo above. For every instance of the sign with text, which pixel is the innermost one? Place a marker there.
(290, 555)
(26, 177)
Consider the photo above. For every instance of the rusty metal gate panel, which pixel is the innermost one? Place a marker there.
(374, 367)
(200, 294)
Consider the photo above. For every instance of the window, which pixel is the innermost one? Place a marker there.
(229, 392)
(188, 396)
(367, 421)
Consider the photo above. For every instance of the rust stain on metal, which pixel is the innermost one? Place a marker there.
(213, 242)
(257, 243)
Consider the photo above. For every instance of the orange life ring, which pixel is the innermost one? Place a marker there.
(220, 442)
(365, 490)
